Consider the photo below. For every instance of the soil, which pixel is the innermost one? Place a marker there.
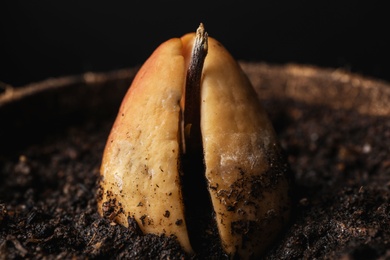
(340, 160)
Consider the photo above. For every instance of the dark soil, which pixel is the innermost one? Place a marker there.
(340, 159)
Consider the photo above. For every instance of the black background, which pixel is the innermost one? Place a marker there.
(48, 38)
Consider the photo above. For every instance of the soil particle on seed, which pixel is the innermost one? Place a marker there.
(340, 161)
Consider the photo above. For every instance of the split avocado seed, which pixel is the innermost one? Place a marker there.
(191, 135)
